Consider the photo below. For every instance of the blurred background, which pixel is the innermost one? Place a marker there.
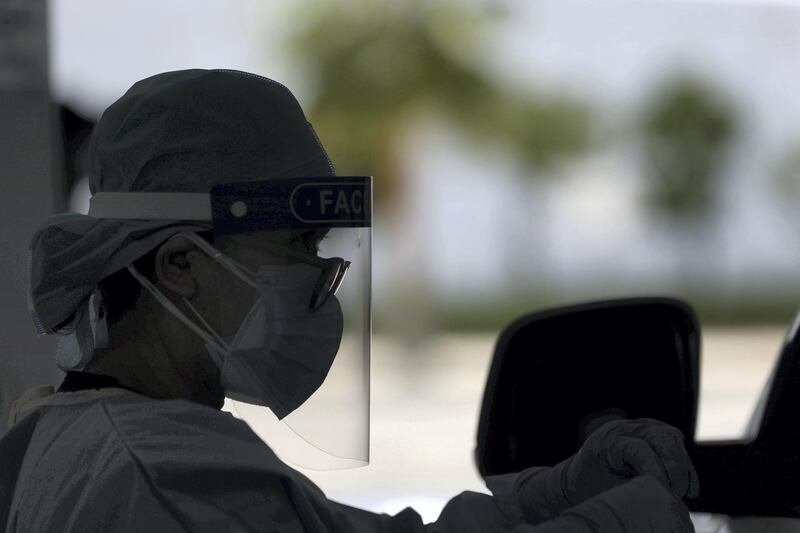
(526, 154)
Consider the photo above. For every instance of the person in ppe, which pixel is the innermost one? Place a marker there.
(223, 258)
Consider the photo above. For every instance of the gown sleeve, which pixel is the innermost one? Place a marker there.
(208, 471)
(123, 465)
(467, 512)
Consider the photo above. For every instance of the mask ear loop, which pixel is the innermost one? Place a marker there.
(98, 322)
(240, 271)
(209, 336)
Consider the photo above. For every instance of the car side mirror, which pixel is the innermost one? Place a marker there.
(559, 374)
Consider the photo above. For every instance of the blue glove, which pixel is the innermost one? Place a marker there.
(617, 452)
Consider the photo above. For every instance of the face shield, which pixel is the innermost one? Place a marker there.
(294, 352)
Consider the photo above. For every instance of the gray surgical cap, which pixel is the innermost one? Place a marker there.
(183, 131)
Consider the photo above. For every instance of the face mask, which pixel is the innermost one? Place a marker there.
(282, 351)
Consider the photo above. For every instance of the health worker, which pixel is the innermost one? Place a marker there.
(223, 260)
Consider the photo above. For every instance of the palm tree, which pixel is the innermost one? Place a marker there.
(686, 130)
(379, 69)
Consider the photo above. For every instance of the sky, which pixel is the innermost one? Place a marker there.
(589, 223)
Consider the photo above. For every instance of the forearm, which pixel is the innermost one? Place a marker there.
(589, 517)
(536, 493)
(468, 512)
(641, 504)
(562, 524)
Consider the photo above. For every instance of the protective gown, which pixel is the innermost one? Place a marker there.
(112, 460)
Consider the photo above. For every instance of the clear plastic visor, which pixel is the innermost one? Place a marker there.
(330, 428)
(308, 396)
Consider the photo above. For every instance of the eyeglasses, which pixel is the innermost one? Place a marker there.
(332, 272)
(332, 269)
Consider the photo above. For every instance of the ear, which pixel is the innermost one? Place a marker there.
(175, 267)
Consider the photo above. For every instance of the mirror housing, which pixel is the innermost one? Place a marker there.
(559, 374)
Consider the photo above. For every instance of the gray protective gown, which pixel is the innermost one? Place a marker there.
(112, 460)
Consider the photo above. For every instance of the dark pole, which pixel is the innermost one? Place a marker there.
(31, 189)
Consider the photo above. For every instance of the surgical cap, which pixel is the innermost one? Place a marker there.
(183, 131)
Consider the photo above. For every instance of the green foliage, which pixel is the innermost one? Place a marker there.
(378, 67)
(787, 174)
(686, 130)
(752, 306)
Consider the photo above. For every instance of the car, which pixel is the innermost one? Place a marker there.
(558, 374)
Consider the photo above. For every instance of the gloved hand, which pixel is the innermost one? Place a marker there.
(613, 454)
(641, 504)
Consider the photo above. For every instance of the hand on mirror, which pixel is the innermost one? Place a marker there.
(624, 449)
(615, 453)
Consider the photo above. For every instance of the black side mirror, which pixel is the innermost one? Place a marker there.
(559, 374)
